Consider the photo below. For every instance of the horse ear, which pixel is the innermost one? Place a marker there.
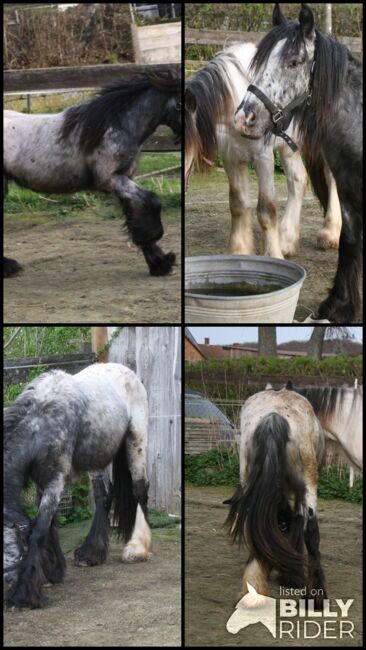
(306, 19)
(190, 101)
(277, 17)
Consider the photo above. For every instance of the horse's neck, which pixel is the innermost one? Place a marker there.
(149, 115)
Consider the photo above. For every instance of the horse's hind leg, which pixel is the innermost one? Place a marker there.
(131, 485)
(328, 236)
(94, 549)
(139, 545)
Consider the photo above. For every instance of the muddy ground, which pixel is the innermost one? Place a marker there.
(113, 604)
(207, 228)
(214, 569)
(83, 270)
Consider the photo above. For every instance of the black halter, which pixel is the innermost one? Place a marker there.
(281, 117)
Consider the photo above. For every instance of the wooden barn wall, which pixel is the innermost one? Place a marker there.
(154, 353)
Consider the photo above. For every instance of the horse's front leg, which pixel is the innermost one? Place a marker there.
(328, 236)
(266, 208)
(241, 234)
(142, 210)
(296, 178)
(10, 267)
(95, 547)
(44, 558)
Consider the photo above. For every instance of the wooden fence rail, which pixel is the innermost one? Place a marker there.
(226, 38)
(84, 78)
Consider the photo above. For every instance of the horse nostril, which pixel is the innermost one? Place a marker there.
(251, 118)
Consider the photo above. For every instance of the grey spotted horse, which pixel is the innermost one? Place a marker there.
(95, 146)
(59, 426)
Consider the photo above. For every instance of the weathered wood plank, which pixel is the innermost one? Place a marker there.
(154, 354)
(156, 43)
(226, 38)
(88, 76)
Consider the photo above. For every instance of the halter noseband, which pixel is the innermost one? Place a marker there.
(282, 116)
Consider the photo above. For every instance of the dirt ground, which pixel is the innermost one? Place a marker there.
(207, 228)
(83, 270)
(113, 604)
(214, 569)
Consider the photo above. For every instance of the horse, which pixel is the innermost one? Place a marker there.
(95, 146)
(339, 411)
(299, 73)
(211, 97)
(282, 448)
(59, 426)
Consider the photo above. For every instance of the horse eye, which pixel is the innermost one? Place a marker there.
(293, 64)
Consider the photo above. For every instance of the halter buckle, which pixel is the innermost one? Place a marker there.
(276, 117)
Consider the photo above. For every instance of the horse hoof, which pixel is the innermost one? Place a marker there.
(325, 241)
(11, 268)
(164, 265)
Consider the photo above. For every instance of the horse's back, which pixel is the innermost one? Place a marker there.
(305, 428)
(116, 377)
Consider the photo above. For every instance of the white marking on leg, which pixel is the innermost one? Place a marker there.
(139, 546)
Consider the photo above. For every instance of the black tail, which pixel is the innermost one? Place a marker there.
(125, 503)
(258, 509)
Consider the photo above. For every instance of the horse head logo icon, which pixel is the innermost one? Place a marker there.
(253, 608)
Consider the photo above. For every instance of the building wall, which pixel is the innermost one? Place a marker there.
(190, 352)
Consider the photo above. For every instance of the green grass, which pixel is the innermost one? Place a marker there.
(60, 207)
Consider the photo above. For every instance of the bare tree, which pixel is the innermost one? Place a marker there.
(267, 341)
(316, 341)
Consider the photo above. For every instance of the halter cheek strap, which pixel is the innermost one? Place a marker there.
(281, 117)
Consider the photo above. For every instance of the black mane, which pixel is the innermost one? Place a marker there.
(95, 116)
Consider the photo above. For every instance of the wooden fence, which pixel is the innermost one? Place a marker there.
(157, 43)
(226, 38)
(154, 353)
(18, 370)
(83, 78)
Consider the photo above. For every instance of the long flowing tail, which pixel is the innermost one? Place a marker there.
(125, 502)
(258, 509)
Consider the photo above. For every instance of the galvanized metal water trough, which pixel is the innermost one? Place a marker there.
(276, 307)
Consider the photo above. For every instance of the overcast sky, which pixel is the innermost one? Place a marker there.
(223, 335)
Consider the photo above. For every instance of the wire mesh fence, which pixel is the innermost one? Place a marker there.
(51, 101)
